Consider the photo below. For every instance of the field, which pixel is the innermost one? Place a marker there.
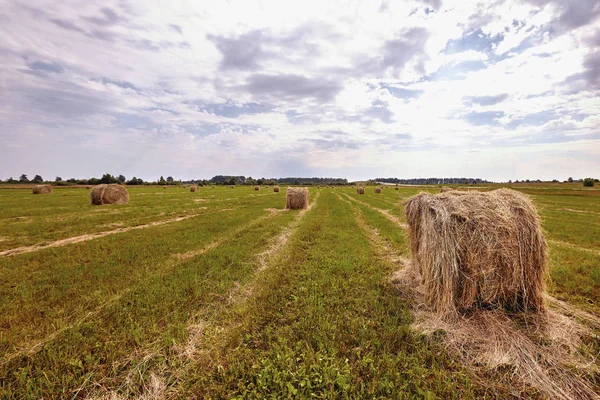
(223, 293)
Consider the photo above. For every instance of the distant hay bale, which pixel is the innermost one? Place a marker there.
(164, 187)
(256, 187)
(396, 188)
(42, 189)
(296, 198)
(109, 194)
(377, 190)
(193, 188)
(88, 187)
(360, 190)
(276, 189)
(478, 249)
(446, 189)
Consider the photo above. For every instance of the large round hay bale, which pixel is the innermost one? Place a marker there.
(193, 188)
(377, 190)
(478, 249)
(360, 190)
(256, 187)
(42, 189)
(109, 194)
(296, 198)
(276, 189)
(446, 189)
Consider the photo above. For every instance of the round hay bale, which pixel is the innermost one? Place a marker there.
(42, 189)
(396, 188)
(276, 189)
(256, 187)
(446, 189)
(109, 194)
(193, 188)
(164, 187)
(88, 187)
(296, 198)
(377, 190)
(478, 250)
(360, 190)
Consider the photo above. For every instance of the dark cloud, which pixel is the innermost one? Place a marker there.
(69, 101)
(589, 79)
(436, 4)
(46, 67)
(292, 87)
(243, 52)
(484, 118)
(573, 13)
(108, 17)
(123, 84)
(488, 100)
(379, 109)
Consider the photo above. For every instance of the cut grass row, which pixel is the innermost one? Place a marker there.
(325, 322)
(149, 317)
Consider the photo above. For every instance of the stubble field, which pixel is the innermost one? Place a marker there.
(223, 293)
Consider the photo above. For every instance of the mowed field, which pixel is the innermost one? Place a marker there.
(223, 293)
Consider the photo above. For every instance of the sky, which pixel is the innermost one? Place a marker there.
(505, 89)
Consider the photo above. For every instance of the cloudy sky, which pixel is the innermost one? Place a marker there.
(505, 89)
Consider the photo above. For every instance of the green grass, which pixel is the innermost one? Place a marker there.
(322, 320)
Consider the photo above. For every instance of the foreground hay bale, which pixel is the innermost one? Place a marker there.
(377, 190)
(296, 198)
(478, 249)
(276, 189)
(360, 190)
(193, 188)
(42, 189)
(109, 194)
(256, 187)
(446, 189)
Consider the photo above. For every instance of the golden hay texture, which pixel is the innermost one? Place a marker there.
(276, 189)
(377, 190)
(193, 188)
(296, 198)
(256, 187)
(42, 189)
(360, 190)
(446, 189)
(109, 194)
(478, 249)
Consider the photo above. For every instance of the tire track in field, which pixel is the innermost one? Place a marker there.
(92, 236)
(573, 246)
(187, 351)
(385, 213)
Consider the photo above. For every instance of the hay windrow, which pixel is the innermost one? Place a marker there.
(296, 198)
(109, 194)
(478, 249)
(541, 350)
(42, 189)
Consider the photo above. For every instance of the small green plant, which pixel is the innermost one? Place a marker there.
(588, 182)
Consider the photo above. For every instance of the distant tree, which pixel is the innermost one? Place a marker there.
(122, 178)
(11, 180)
(23, 179)
(170, 179)
(108, 178)
(37, 179)
(570, 179)
(58, 179)
(162, 181)
(588, 182)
